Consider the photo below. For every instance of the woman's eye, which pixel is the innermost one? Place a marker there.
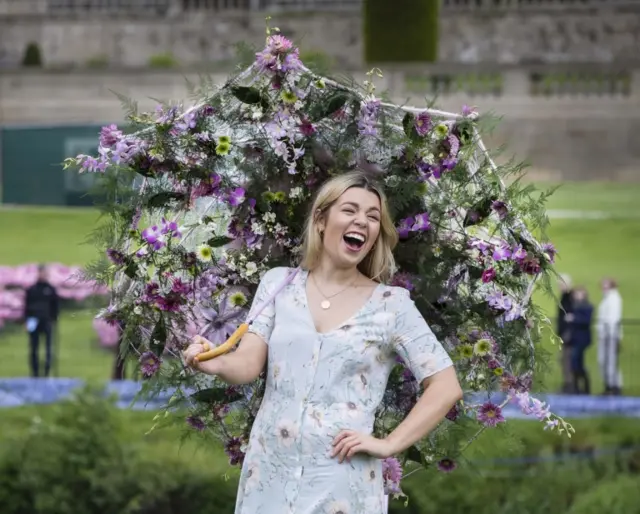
(374, 218)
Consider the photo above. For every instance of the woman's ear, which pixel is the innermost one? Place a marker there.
(318, 218)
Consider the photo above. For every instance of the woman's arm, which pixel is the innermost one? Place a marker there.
(240, 367)
(441, 392)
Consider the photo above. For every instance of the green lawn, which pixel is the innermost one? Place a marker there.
(589, 250)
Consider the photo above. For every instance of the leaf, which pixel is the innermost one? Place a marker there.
(131, 270)
(218, 241)
(159, 336)
(335, 103)
(414, 455)
(247, 95)
(408, 123)
(162, 199)
(216, 395)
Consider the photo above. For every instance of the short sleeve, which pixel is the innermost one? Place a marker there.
(263, 324)
(415, 343)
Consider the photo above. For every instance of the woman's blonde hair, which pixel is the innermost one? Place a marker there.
(379, 264)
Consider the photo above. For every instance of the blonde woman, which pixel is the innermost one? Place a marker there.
(329, 341)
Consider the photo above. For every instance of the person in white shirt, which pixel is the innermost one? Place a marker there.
(609, 336)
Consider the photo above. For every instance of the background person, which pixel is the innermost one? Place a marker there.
(41, 315)
(564, 331)
(610, 336)
(580, 320)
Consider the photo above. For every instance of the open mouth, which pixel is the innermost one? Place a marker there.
(354, 241)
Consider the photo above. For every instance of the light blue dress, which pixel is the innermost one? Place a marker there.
(318, 384)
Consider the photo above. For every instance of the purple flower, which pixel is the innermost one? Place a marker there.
(453, 413)
(91, 164)
(519, 253)
(154, 237)
(482, 246)
(189, 122)
(532, 406)
(170, 227)
(488, 275)
(170, 302)
(125, 151)
(468, 111)
(233, 449)
(490, 414)
(115, 256)
(499, 301)
(221, 323)
(423, 123)
(513, 313)
(446, 465)
(110, 135)
(196, 423)
(530, 265)
(179, 287)
(149, 364)
(453, 143)
(493, 364)
(402, 280)
(235, 197)
(500, 208)
(550, 251)
(421, 222)
(448, 163)
(501, 253)
(405, 227)
(368, 117)
(391, 475)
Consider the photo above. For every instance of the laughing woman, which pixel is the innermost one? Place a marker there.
(329, 340)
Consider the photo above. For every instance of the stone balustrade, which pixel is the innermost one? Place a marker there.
(163, 8)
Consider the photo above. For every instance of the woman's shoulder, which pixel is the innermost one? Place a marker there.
(397, 297)
(277, 274)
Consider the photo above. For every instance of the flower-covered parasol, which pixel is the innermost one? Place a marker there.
(203, 201)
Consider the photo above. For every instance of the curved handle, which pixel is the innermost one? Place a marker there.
(226, 346)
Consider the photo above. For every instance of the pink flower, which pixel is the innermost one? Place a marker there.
(391, 474)
(488, 275)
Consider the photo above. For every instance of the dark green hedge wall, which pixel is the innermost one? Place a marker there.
(401, 30)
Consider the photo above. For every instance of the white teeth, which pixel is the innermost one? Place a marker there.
(355, 235)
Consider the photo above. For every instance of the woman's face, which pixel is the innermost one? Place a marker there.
(579, 295)
(351, 227)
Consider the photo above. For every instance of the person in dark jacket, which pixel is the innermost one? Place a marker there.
(41, 314)
(564, 331)
(580, 321)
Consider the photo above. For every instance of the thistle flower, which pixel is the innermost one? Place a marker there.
(391, 475)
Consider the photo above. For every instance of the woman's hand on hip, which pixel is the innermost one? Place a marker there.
(349, 442)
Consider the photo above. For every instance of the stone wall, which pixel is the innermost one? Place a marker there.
(608, 33)
(567, 129)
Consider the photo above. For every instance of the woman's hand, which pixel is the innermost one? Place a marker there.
(199, 345)
(349, 442)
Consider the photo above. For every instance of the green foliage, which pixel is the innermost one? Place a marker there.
(318, 61)
(98, 62)
(163, 60)
(78, 463)
(401, 31)
(619, 495)
(32, 56)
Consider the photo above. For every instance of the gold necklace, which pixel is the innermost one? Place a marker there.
(326, 304)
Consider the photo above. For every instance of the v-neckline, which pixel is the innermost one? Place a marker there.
(302, 283)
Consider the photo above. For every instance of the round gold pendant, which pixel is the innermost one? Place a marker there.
(325, 305)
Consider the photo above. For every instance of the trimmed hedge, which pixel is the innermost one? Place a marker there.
(401, 30)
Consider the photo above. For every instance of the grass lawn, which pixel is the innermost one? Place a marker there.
(589, 250)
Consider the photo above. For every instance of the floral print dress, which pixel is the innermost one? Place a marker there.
(321, 383)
